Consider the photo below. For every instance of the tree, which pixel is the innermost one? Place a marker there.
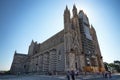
(117, 65)
(112, 66)
(106, 66)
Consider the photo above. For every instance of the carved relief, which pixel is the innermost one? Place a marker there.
(72, 61)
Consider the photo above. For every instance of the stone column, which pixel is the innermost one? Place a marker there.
(52, 61)
(45, 61)
(40, 63)
(72, 61)
(82, 61)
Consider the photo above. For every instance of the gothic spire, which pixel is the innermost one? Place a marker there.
(74, 11)
(32, 41)
(66, 12)
(74, 7)
(66, 7)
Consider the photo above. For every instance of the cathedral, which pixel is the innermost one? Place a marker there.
(74, 48)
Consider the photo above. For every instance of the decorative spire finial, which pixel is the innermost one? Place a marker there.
(15, 51)
(74, 7)
(66, 7)
(74, 11)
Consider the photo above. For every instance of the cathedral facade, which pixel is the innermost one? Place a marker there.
(74, 48)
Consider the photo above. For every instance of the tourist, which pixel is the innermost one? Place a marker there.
(109, 74)
(49, 73)
(76, 72)
(103, 74)
(72, 75)
(68, 75)
(106, 74)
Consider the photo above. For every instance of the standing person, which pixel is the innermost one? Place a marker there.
(103, 74)
(109, 73)
(106, 74)
(73, 75)
(68, 75)
(76, 72)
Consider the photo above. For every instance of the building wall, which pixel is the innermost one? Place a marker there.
(50, 60)
(18, 64)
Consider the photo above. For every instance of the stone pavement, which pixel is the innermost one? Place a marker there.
(29, 77)
(54, 77)
(95, 77)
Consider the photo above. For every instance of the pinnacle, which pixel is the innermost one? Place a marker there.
(74, 6)
(66, 7)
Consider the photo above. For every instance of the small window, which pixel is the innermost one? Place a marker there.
(35, 51)
(82, 52)
(24, 66)
(59, 55)
(72, 50)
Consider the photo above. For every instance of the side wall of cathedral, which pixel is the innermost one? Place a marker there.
(50, 57)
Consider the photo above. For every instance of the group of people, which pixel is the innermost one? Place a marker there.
(71, 74)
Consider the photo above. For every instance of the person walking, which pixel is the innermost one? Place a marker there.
(106, 74)
(73, 75)
(103, 74)
(109, 74)
(68, 75)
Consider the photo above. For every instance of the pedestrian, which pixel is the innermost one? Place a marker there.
(109, 74)
(73, 75)
(103, 74)
(106, 74)
(68, 75)
(76, 72)
(49, 73)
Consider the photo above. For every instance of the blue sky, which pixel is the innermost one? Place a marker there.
(22, 21)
